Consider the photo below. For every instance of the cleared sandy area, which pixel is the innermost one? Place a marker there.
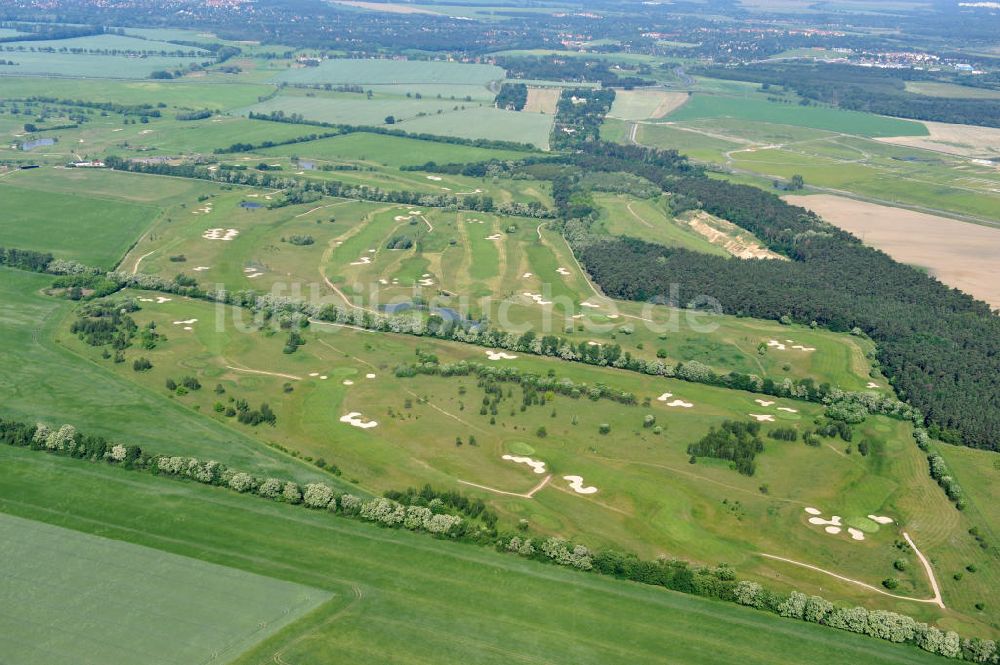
(964, 140)
(965, 256)
(727, 235)
(542, 100)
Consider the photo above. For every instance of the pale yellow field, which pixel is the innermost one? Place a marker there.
(964, 140)
(965, 256)
(390, 7)
(645, 104)
(542, 100)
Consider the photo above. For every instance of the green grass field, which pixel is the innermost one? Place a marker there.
(849, 122)
(390, 151)
(408, 599)
(91, 230)
(35, 63)
(392, 72)
(191, 94)
(76, 598)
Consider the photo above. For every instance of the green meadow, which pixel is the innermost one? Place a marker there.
(76, 598)
(849, 122)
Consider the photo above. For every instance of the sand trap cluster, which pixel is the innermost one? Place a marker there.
(589, 305)
(252, 273)
(536, 466)
(220, 234)
(204, 210)
(562, 271)
(354, 419)
(425, 281)
(576, 484)
(764, 402)
(781, 346)
(881, 519)
(322, 377)
(765, 418)
(500, 355)
(495, 236)
(363, 261)
(834, 525)
(537, 297)
(677, 402)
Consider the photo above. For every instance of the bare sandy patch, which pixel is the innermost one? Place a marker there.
(646, 104)
(542, 100)
(389, 7)
(962, 140)
(728, 236)
(962, 255)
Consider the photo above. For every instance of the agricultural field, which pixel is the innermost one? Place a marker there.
(646, 104)
(485, 597)
(35, 63)
(95, 231)
(115, 580)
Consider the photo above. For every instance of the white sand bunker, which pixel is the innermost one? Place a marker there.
(681, 403)
(414, 212)
(145, 300)
(348, 382)
(401, 218)
(185, 323)
(536, 466)
(804, 348)
(220, 234)
(160, 300)
(787, 409)
(576, 484)
(776, 345)
(313, 373)
(872, 384)
(856, 534)
(202, 268)
(819, 521)
(188, 328)
(369, 376)
(593, 343)
(354, 418)
(435, 178)
(813, 511)
(762, 418)
(881, 519)
(665, 396)
(526, 275)
(764, 402)
(612, 316)
(383, 281)
(833, 530)
(500, 355)
(537, 297)
(363, 261)
(323, 377)
(495, 236)
(590, 305)
(425, 282)
(562, 271)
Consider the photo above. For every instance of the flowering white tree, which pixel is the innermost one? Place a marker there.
(384, 511)
(241, 482)
(794, 606)
(750, 594)
(350, 503)
(291, 493)
(62, 438)
(317, 495)
(118, 452)
(270, 488)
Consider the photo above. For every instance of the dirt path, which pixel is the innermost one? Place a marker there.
(527, 495)
(329, 205)
(628, 207)
(135, 268)
(260, 371)
(936, 600)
